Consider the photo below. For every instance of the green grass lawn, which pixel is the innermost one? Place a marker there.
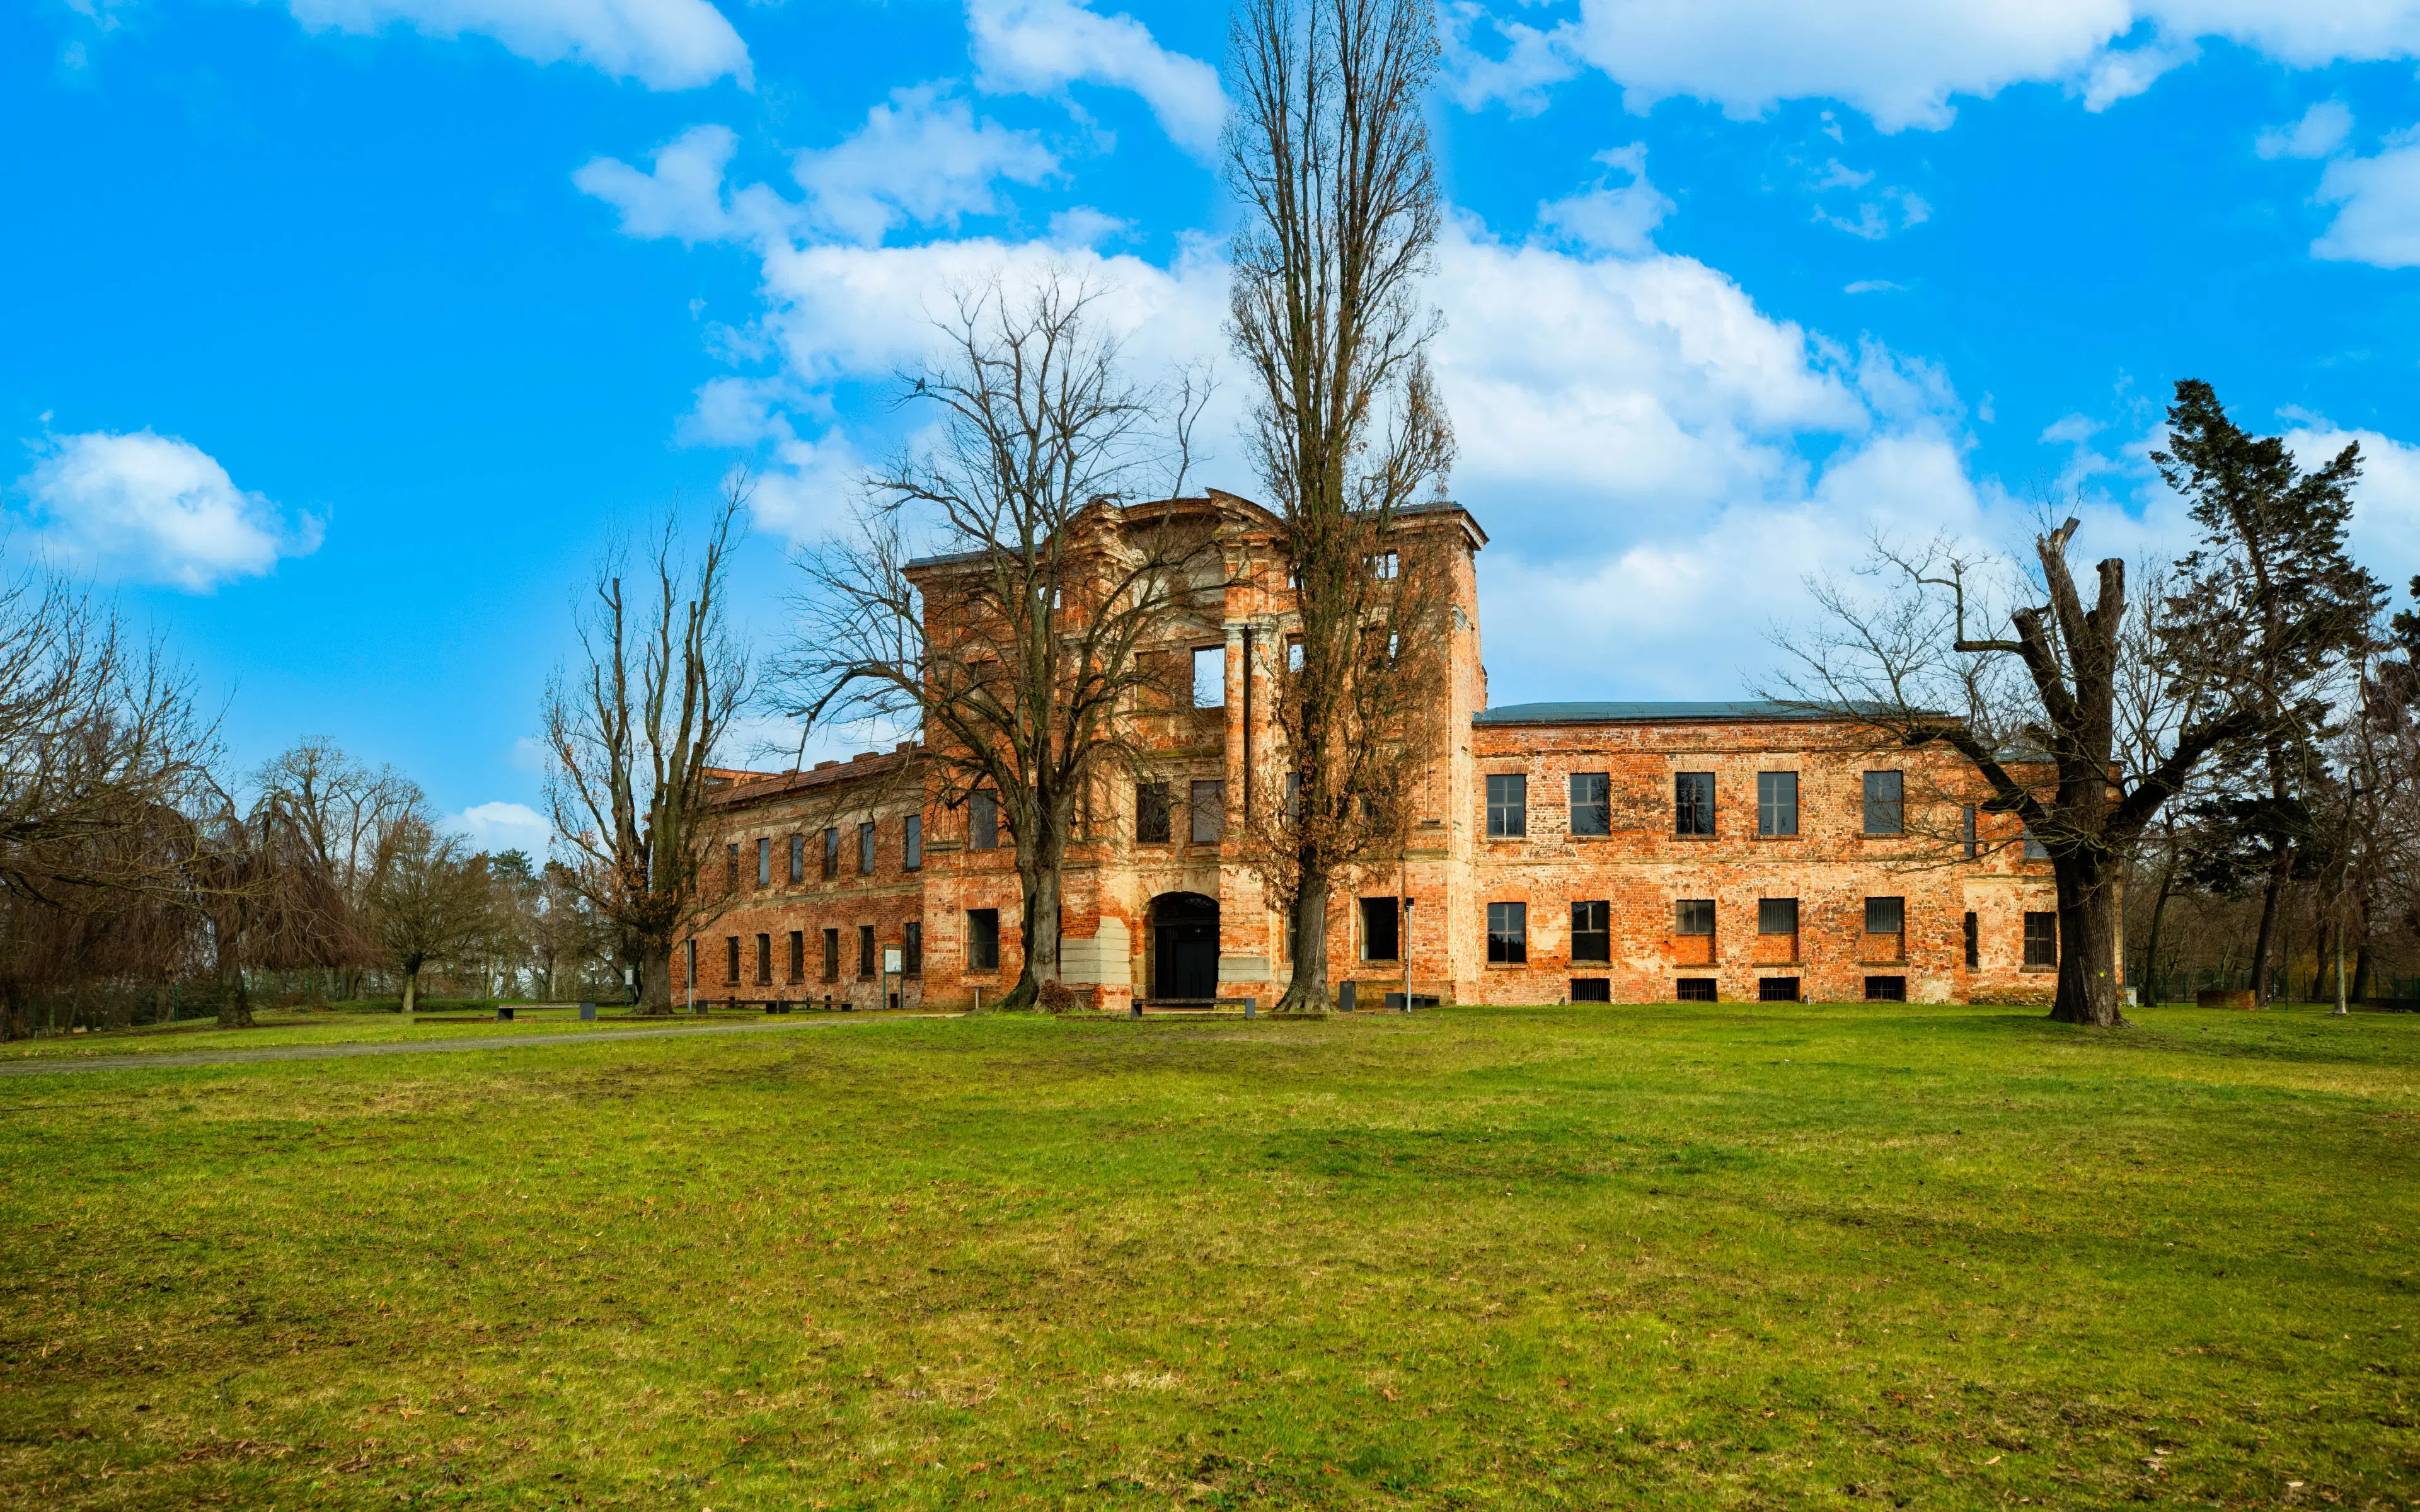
(286, 1027)
(1753, 1256)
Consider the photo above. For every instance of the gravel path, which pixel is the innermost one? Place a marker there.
(236, 1056)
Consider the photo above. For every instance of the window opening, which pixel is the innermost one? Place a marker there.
(1592, 988)
(983, 939)
(1508, 806)
(1508, 935)
(1885, 803)
(1693, 916)
(1776, 804)
(1209, 811)
(1151, 813)
(2041, 939)
(1693, 803)
(1695, 989)
(911, 949)
(1886, 989)
(1381, 931)
(911, 843)
(1592, 931)
(1210, 677)
(983, 820)
(1776, 916)
(865, 849)
(865, 956)
(1776, 989)
(1591, 803)
(1886, 915)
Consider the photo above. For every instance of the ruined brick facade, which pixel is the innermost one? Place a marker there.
(1683, 890)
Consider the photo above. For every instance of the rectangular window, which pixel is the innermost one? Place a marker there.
(731, 867)
(1776, 989)
(1385, 564)
(1592, 932)
(911, 843)
(731, 959)
(1885, 803)
(2035, 850)
(1151, 813)
(1508, 806)
(1591, 803)
(1776, 804)
(1209, 811)
(764, 861)
(1695, 990)
(1776, 916)
(1693, 916)
(1693, 803)
(1966, 832)
(865, 849)
(798, 955)
(1973, 942)
(866, 958)
(1380, 938)
(1886, 915)
(1210, 677)
(983, 820)
(1294, 653)
(831, 955)
(764, 960)
(2041, 939)
(983, 939)
(832, 854)
(798, 857)
(1508, 935)
(1592, 988)
(911, 949)
(1886, 989)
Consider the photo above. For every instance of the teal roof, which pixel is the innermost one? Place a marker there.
(1641, 713)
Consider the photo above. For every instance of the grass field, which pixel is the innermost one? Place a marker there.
(1760, 1256)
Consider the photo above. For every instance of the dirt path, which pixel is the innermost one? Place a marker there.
(235, 1056)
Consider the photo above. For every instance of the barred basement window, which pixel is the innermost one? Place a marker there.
(1508, 806)
(1696, 989)
(1591, 803)
(983, 821)
(1885, 803)
(1592, 932)
(1776, 916)
(2041, 939)
(1693, 916)
(1776, 804)
(1886, 989)
(1151, 813)
(1886, 915)
(983, 939)
(1508, 935)
(1776, 989)
(866, 958)
(911, 843)
(865, 849)
(1693, 803)
(832, 854)
(1592, 988)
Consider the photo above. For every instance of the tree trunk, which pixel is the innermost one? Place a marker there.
(655, 967)
(2361, 973)
(1309, 991)
(235, 1001)
(1038, 937)
(412, 988)
(2152, 948)
(2264, 943)
(2087, 945)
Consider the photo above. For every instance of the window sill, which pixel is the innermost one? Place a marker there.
(1698, 838)
(1792, 837)
(1508, 965)
(2041, 971)
(1883, 961)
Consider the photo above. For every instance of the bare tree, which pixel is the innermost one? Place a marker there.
(1014, 645)
(430, 903)
(1329, 154)
(347, 816)
(632, 734)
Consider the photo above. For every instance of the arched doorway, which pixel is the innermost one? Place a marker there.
(1184, 946)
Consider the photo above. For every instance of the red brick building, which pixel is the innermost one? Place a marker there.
(1608, 852)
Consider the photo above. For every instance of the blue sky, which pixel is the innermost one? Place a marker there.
(343, 332)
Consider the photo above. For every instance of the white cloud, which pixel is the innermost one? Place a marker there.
(2323, 130)
(2385, 531)
(159, 509)
(664, 44)
(1612, 217)
(504, 827)
(922, 157)
(1891, 210)
(1873, 285)
(1039, 47)
(2378, 219)
(1903, 62)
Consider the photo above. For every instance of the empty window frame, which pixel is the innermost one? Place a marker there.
(1776, 989)
(731, 959)
(832, 854)
(2035, 850)
(1974, 941)
(1969, 838)
(764, 861)
(1294, 653)
(798, 857)
(911, 949)
(1695, 990)
(1387, 565)
(1693, 803)
(911, 843)
(1210, 677)
(1776, 805)
(867, 960)
(1508, 935)
(798, 955)
(1886, 989)
(1381, 930)
(1885, 803)
(865, 849)
(1508, 806)
(1886, 915)
(1209, 811)
(1592, 988)
(2041, 939)
(1776, 916)
(1693, 916)
(731, 867)
(1591, 803)
(1592, 932)
(764, 960)
(983, 820)
(983, 939)
(1151, 813)
(831, 955)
